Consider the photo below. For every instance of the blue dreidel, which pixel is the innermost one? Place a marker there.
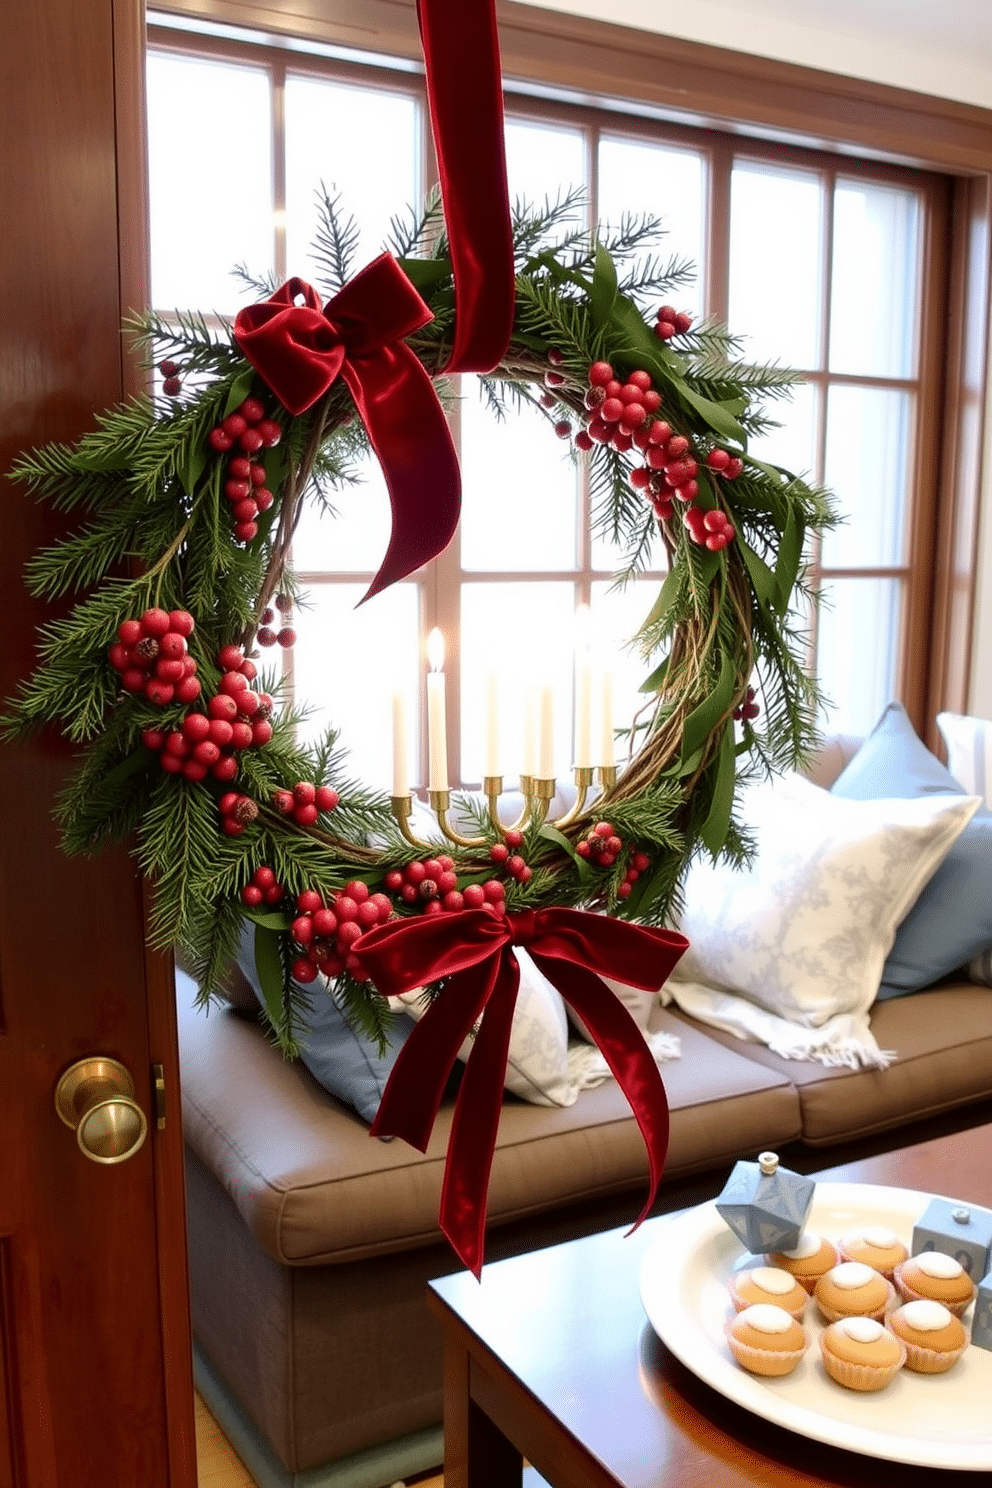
(766, 1205)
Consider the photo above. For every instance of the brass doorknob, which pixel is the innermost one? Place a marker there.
(96, 1098)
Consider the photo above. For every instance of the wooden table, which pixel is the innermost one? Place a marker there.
(551, 1358)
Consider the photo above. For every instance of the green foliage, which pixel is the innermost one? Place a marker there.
(335, 244)
(147, 525)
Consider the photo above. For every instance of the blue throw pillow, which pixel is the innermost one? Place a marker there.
(952, 920)
(346, 1063)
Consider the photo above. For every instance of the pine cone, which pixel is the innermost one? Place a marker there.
(245, 811)
(147, 649)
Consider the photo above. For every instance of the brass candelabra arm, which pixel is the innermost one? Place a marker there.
(441, 804)
(584, 776)
(539, 799)
(527, 790)
(402, 809)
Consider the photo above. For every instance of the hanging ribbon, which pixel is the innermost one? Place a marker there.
(465, 98)
(472, 951)
(299, 350)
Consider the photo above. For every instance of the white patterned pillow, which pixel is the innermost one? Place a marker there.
(538, 1065)
(803, 932)
(969, 752)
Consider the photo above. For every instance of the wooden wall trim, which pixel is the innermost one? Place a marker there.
(684, 80)
(134, 256)
(962, 437)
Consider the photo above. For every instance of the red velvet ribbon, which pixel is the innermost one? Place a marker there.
(465, 97)
(472, 950)
(300, 349)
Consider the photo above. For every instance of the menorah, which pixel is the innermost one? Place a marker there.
(538, 784)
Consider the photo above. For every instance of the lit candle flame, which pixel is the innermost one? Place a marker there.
(435, 650)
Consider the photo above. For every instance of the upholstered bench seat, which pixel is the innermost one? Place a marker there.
(305, 1232)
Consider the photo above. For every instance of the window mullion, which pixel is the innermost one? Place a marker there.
(719, 180)
(278, 84)
(822, 384)
(442, 607)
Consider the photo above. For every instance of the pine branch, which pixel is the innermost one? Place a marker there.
(264, 285)
(188, 337)
(179, 849)
(335, 243)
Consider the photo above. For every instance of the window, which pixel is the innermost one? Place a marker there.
(817, 261)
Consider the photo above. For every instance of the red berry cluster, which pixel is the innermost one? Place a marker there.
(305, 802)
(171, 382)
(286, 635)
(748, 710)
(722, 462)
(207, 743)
(246, 431)
(236, 813)
(152, 657)
(502, 853)
(600, 845)
(327, 932)
(710, 529)
(638, 862)
(263, 887)
(622, 415)
(431, 886)
(670, 322)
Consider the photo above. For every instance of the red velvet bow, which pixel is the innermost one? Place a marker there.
(472, 950)
(300, 349)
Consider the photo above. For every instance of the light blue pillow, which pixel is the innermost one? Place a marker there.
(951, 922)
(341, 1059)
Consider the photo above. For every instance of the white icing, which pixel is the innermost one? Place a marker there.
(925, 1316)
(862, 1330)
(876, 1236)
(770, 1279)
(935, 1263)
(808, 1245)
(764, 1317)
(852, 1274)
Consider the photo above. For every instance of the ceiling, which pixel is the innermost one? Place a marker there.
(943, 48)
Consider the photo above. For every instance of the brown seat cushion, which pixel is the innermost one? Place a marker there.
(942, 1040)
(313, 1187)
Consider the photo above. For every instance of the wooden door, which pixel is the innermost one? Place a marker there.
(95, 1367)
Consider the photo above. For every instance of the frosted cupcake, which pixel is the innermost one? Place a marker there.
(851, 1289)
(861, 1354)
(764, 1339)
(768, 1284)
(808, 1261)
(935, 1339)
(937, 1277)
(873, 1246)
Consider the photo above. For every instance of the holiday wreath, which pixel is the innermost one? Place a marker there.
(182, 508)
(189, 503)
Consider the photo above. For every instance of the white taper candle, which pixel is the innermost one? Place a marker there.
(491, 764)
(401, 771)
(437, 735)
(529, 763)
(583, 690)
(546, 736)
(607, 747)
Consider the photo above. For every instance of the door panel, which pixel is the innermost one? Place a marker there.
(94, 1333)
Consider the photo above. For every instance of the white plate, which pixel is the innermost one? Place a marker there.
(935, 1421)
